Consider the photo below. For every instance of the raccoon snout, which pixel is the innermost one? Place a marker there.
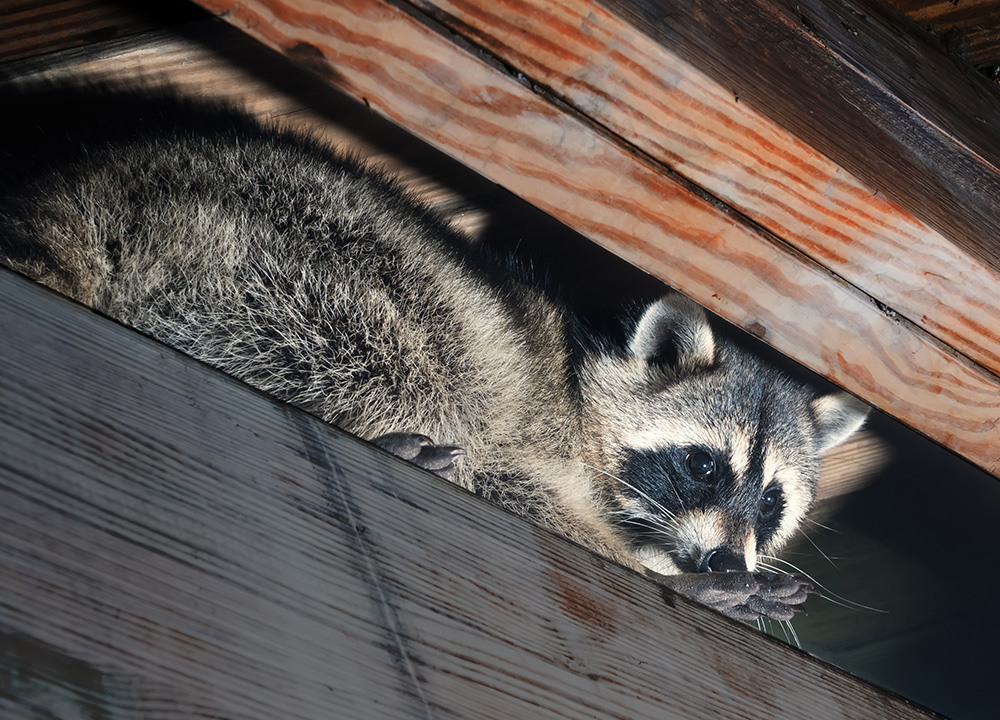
(722, 559)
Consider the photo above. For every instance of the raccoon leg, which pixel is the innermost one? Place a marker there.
(422, 452)
(745, 596)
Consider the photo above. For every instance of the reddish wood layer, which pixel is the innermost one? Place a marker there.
(865, 86)
(662, 105)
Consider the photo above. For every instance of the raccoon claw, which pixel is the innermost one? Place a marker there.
(745, 596)
(788, 589)
(422, 452)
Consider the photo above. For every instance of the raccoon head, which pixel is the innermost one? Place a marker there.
(709, 458)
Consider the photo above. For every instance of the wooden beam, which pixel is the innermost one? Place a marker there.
(174, 542)
(664, 107)
(970, 28)
(496, 119)
(864, 85)
(31, 26)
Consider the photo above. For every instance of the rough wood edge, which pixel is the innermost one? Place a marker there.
(969, 29)
(895, 109)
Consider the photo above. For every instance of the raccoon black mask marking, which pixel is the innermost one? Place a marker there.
(323, 282)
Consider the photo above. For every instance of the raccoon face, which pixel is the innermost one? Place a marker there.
(712, 456)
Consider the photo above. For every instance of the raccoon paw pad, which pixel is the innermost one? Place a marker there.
(779, 597)
(720, 591)
(422, 452)
(746, 596)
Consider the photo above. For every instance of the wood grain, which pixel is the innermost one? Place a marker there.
(970, 28)
(660, 104)
(864, 86)
(176, 544)
(29, 27)
(417, 76)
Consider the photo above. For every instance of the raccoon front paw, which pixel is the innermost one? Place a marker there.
(778, 597)
(746, 596)
(422, 452)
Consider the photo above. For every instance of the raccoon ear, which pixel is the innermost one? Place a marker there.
(674, 331)
(838, 416)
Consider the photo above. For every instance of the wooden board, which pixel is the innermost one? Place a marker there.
(669, 110)
(864, 85)
(174, 542)
(30, 27)
(495, 120)
(969, 28)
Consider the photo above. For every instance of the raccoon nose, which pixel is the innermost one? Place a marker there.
(723, 559)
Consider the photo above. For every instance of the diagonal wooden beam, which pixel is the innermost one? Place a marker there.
(662, 105)
(449, 91)
(866, 86)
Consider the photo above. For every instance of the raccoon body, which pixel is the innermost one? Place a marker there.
(321, 281)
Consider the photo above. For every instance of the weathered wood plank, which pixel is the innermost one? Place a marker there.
(416, 75)
(660, 104)
(29, 27)
(176, 544)
(970, 28)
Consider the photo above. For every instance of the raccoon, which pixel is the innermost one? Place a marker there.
(321, 281)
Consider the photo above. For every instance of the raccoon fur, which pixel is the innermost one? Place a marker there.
(319, 280)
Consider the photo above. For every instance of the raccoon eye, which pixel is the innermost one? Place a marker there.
(770, 503)
(701, 465)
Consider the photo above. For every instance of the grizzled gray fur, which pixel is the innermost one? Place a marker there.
(321, 281)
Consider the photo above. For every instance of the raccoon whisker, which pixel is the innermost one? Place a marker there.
(664, 517)
(634, 489)
(826, 593)
(666, 526)
(813, 543)
(821, 525)
(772, 568)
(766, 626)
(789, 630)
(642, 515)
(784, 631)
(669, 530)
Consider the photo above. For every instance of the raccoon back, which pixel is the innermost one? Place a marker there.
(298, 269)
